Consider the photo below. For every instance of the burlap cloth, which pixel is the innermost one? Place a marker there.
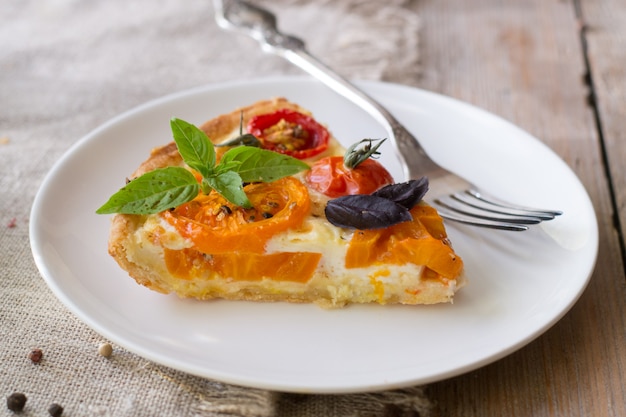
(66, 66)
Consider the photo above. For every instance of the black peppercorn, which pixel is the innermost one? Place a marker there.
(16, 401)
(35, 355)
(55, 410)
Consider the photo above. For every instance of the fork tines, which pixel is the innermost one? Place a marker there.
(474, 208)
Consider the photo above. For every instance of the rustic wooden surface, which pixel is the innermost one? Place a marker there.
(605, 39)
(558, 70)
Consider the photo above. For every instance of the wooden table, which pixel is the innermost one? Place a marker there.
(558, 70)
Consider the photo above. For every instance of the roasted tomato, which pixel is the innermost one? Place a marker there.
(290, 132)
(422, 241)
(331, 177)
(216, 226)
(243, 266)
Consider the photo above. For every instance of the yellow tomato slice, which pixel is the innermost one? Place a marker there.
(244, 266)
(216, 226)
(422, 241)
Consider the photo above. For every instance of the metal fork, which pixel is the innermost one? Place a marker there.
(455, 198)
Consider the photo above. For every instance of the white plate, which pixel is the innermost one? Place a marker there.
(519, 283)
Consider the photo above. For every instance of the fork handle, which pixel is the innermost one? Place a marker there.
(405, 143)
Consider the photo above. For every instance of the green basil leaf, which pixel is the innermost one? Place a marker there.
(227, 166)
(230, 185)
(260, 165)
(170, 187)
(194, 146)
(153, 192)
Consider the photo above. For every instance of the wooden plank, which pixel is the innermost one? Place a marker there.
(524, 62)
(605, 35)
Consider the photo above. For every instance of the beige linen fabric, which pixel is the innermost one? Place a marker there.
(66, 66)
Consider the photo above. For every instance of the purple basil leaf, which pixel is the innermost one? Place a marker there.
(407, 194)
(364, 211)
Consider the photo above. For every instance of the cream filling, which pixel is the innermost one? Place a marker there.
(332, 284)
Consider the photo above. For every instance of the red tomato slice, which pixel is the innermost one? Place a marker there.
(290, 132)
(329, 176)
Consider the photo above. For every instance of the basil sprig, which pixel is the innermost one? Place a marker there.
(360, 151)
(169, 187)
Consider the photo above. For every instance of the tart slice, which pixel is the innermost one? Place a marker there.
(273, 208)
